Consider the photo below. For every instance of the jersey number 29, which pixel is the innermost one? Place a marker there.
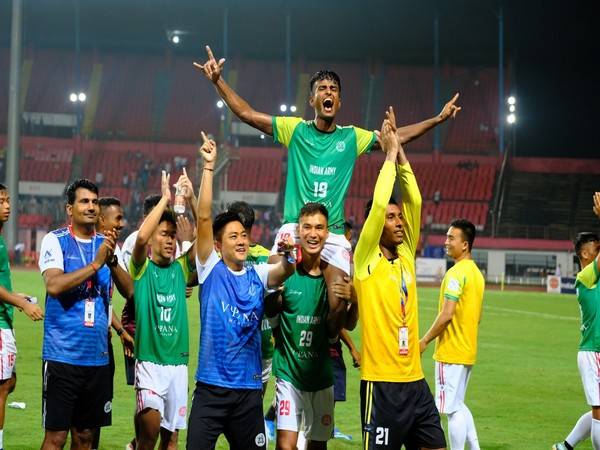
(306, 338)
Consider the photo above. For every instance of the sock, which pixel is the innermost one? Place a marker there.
(270, 415)
(567, 445)
(457, 430)
(2, 438)
(581, 431)
(596, 434)
(472, 438)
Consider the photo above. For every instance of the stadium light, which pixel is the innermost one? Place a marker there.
(511, 118)
(175, 39)
(511, 100)
(220, 104)
(293, 108)
(82, 97)
(73, 97)
(512, 108)
(262, 136)
(283, 108)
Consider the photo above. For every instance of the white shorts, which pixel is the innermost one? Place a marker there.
(267, 367)
(451, 382)
(8, 353)
(336, 251)
(163, 388)
(589, 369)
(311, 412)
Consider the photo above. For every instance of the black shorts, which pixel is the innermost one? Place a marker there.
(339, 379)
(236, 413)
(397, 414)
(75, 396)
(129, 369)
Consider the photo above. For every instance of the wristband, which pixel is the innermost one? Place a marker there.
(120, 331)
(93, 264)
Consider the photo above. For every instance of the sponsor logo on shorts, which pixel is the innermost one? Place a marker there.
(260, 439)
(183, 411)
(326, 420)
(108, 407)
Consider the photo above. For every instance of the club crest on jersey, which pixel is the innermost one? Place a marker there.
(340, 146)
(260, 439)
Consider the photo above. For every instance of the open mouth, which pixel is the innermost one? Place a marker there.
(328, 105)
(312, 244)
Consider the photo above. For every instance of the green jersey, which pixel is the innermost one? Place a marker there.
(6, 309)
(588, 296)
(257, 254)
(162, 331)
(320, 165)
(301, 343)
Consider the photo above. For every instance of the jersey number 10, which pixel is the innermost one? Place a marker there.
(320, 189)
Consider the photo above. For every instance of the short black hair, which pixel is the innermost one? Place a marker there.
(150, 202)
(583, 238)
(245, 211)
(325, 75)
(467, 229)
(312, 208)
(105, 202)
(223, 219)
(3, 188)
(168, 215)
(81, 183)
(347, 226)
(369, 205)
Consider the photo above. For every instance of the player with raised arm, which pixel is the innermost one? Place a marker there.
(397, 407)
(162, 330)
(8, 300)
(455, 331)
(228, 395)
(321, 160)
(587, 283)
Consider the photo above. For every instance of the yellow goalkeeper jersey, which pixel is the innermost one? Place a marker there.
(463, 284)
(381, 285)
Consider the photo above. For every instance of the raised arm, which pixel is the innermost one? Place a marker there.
(597, 212)
(204, 232)
(212, 70)
(411, 132)
(368, 241)
(188, 192)
(139, 254)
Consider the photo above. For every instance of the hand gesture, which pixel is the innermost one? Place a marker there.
(597, 204)
(208, 149)
(211, 68)
(127, 342)
(34, 312)
(342, 287)
(387, 138)
(185, 230)
(186, 184)
(165, 188)
(107, 248)
(450, 109)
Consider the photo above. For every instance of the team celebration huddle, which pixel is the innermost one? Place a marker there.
(277, 312)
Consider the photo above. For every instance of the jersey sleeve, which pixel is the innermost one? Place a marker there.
(454, 285)
(368, 242)
(589, 275)
(205, 269)
(364, 140)
(51, 255)
(136, 272)
(262, 270)
(411, 208)
(127, 249)
(283, 129)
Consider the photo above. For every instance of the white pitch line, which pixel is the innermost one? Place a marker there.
(496, 310)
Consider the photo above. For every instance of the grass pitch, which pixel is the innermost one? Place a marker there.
(524, 393)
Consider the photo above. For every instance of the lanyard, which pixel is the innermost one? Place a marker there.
(403, 298)
(90, 284)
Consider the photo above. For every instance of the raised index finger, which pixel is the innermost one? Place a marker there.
(210, 53)
(454, 98)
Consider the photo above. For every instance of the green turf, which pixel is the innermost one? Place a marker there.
(525, 391)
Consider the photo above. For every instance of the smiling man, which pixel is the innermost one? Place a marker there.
(228, 395)
(321, 160)
(455, 330)
(76, 372)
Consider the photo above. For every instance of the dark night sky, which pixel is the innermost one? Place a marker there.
(550, 44)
